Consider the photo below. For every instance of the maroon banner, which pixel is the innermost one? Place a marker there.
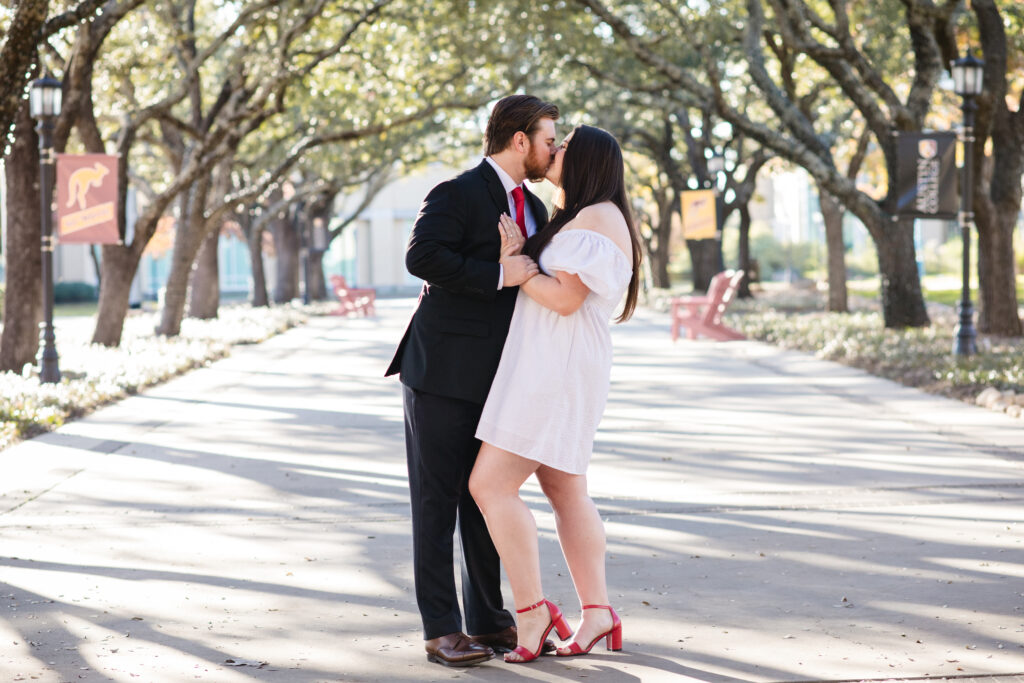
(87, 199)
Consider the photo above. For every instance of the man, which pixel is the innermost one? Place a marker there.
(447, 360)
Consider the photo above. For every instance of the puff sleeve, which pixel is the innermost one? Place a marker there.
(593, 257)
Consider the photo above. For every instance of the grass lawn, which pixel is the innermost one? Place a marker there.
(76, 310)
(940, 289)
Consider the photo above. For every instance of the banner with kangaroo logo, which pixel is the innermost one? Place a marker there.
(87, 199)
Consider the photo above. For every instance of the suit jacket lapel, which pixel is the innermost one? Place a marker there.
(500, 197)
(494, 186)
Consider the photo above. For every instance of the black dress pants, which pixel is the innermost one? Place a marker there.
(441, 447)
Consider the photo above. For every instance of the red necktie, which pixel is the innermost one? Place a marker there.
(520, 199)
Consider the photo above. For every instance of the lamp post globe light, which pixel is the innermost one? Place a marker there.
(968, 72)
(44, 106)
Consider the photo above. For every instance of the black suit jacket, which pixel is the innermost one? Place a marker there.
(454, 340)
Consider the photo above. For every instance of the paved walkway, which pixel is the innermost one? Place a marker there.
(770, 517)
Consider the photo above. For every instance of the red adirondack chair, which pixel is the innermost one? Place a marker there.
(702, 315)
(353, 299)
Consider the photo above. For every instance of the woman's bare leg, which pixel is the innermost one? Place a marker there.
(581, 535)
(494, 484)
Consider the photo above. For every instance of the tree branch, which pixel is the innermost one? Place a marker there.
(72, 17)
(16, 59)
(859, 154)
(921, 20)
(791, 116)
(674, 73)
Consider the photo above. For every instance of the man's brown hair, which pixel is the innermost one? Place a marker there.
(513, 114)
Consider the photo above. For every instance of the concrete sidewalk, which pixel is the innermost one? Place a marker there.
(770, 517)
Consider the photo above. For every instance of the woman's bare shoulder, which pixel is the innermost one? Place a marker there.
(605, 219)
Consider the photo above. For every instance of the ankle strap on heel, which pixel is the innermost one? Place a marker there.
(597, 606)
(531, 607)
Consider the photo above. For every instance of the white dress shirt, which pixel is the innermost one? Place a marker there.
(509, 185)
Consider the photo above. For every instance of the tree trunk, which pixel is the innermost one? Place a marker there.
(317, 282)
(997, 179)
(832, 214)
(997, 279)
(902, 301)
(706, 259)
(259, 277)
(204, 297)
(744, 251)
(658, 257)
(286, 245)
(320, 217)
(24, 295)
(119, 264)
(94, 256)
(187, 241)
(658, 249)
(176, 287)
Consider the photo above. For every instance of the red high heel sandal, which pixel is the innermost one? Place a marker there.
(613, 636)
(557, 622)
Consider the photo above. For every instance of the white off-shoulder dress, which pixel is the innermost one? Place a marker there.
(552, 381)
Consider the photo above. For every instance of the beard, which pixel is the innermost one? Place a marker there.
(536, 168)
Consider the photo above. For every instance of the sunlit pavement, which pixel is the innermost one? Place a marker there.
(770, 517)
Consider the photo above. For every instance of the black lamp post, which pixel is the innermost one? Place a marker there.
(44, 106)
(968, 72)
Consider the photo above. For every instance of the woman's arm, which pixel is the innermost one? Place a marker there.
(563, 293)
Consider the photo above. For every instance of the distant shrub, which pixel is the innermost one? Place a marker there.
(862, 262)
(774, 256)
(74, 292)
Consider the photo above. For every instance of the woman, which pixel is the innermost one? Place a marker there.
(551, 387)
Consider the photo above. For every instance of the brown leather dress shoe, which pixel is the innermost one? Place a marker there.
(457, 649)
(506, 641)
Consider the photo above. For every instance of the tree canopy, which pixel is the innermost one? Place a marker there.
(214, 104)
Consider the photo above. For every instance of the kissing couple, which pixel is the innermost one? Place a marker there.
(505, 370)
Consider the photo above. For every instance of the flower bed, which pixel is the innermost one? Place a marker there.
(917, 357)
(94, 375)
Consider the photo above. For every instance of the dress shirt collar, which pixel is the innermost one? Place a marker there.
(505, 178)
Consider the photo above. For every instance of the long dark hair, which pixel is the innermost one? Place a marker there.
(592, 172)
